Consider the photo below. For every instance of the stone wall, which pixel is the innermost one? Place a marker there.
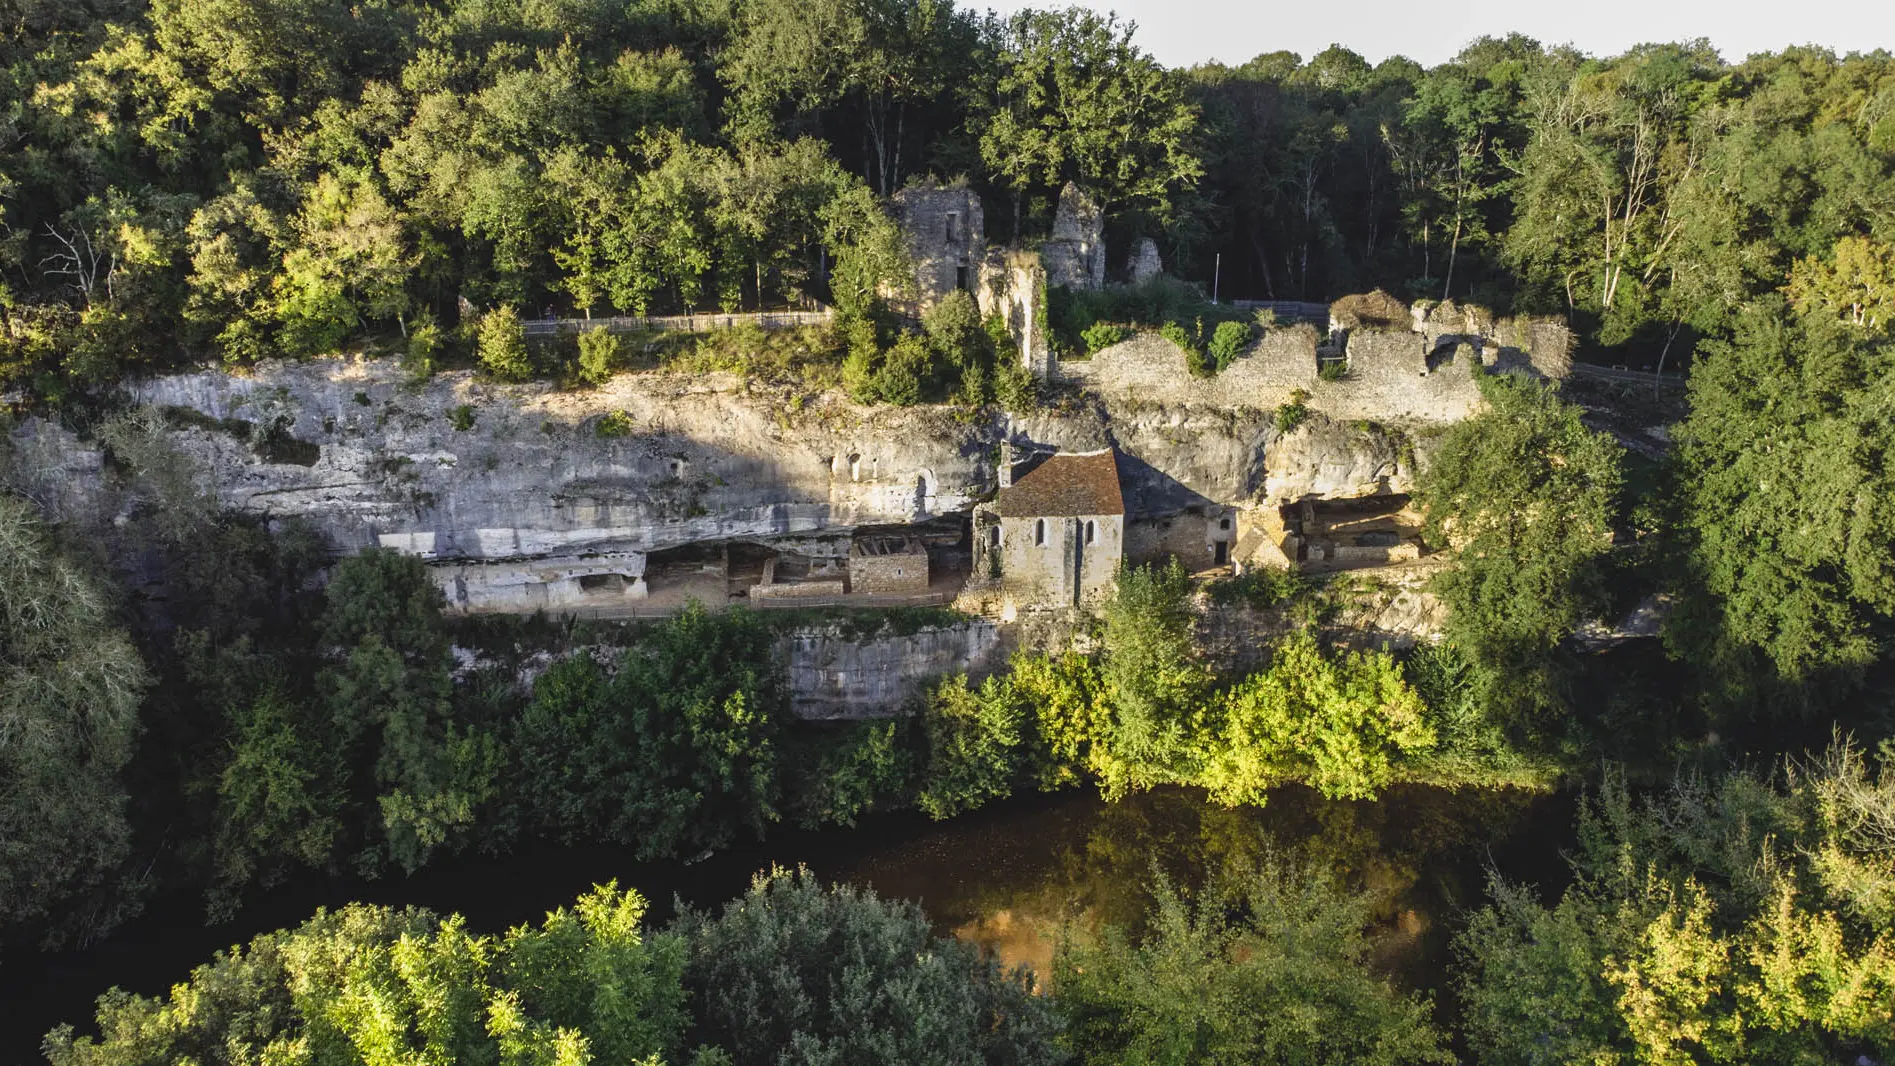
(791, 590)
(1392, 375)
(1188, 536)
(903, 572)
(1011, 283)
(1075, 253)
(946, 238)
(832, 676)
(1043, 571)
(1384, 382)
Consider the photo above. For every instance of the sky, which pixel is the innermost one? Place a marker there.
(1186, 32)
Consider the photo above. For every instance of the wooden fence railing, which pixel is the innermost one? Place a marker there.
(546, 327)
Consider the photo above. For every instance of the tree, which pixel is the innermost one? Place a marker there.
(1078, 102)
(890, 62)
(974, 742)
(373, 984)
(675, 750)
(1336, 724)
(1526, 494)
(1712, 922)
(70, 687)
(502, 343)
(1266, 965)
(1787, 514)
(1154, 680)
(1858, 287)
(388, 690)
(599, 351)
(794, 972)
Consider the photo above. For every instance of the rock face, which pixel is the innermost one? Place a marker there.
(1328, 459)
(835, 676)
(455, 468)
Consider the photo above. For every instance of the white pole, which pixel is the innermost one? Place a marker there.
(1217, 274)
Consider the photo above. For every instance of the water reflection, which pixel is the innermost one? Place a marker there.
(1005, 877)
(1008, 879)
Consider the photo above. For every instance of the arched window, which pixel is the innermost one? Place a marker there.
(993, 536)
(1039, 532)
(1092, 530)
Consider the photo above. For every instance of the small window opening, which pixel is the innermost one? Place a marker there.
(1039, 532)
(953, 227)
(1223, 523)
(960, 278)
(993, 536)
(1092, 530)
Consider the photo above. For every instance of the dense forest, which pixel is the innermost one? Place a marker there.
(230, 180)
(187, 179)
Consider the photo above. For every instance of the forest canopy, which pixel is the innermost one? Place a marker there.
(237, 179)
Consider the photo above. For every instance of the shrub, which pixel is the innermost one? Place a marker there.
(1333, 369)
(614, 424)
(1015, 387)
(1102, 335)
(462, 417)
(1292, 414)
(598, 352)
(1226, 341)
(954, 330)
(424, 343)
(904, 372)
(1260, 587)
(502, 345)
(1181, 335)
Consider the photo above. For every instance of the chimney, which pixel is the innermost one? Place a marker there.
(1006, 464)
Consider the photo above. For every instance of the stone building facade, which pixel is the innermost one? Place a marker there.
(1056, 537)
(883, 565)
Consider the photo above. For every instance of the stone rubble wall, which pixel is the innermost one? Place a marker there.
(832, 676)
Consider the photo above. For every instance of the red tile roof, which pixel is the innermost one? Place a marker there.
(1064, 486)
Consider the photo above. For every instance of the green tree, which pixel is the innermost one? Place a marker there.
(1711, 922)
(795, 972)
(974, 746)
(1337, 723)
(1268, 965)
(502, 345)
(599, 353)
(1858, 285)
(375, 985)
(388, 691)
(1787, 515)
(70, 687)
(1154, 681)
(675, 750)
(1526, 494)
(1078, 101)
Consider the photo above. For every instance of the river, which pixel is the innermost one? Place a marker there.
(1005, 876)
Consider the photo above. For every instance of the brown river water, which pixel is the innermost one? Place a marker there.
(1006, 877)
